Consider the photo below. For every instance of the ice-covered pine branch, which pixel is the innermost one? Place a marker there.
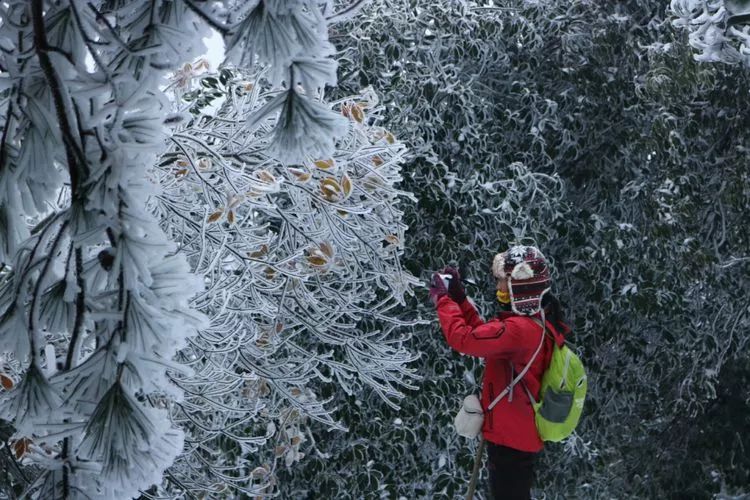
(302, 265)
(290, 39)
(95, 302)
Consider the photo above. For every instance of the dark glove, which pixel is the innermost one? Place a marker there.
(437, 288)
(455, 288)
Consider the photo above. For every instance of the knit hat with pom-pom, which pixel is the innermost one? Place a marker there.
(527, 272)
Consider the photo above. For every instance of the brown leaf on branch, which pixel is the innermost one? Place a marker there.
(346, 185)
(325, 164)
(353, 111)
(215, 216)
(392, 239)
(261, 252)
(21, 447)
(266, 176)
(316, 260)
(327, 249)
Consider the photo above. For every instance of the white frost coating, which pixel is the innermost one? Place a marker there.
(91, 265)
(299, 262)
(95, 282)
(711, 32)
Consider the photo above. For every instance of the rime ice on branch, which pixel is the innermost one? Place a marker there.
(94, 296)
(718, 29)
(302, 266)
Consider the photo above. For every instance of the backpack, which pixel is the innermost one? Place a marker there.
(562, 393)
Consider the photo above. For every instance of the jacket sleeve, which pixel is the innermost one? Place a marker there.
(505, 339)
(470, 313)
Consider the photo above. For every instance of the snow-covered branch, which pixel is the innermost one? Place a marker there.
(302, 269)
(148, 316)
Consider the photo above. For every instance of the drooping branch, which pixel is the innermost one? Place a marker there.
(77, 167)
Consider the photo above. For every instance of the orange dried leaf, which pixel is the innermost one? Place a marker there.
(259, 472)
(279, 450)
(331, 184)
(327, 249)
(357, 114)
(324, 164)
(392, 239)
(230, 216)
(21, 447)
(182, 163)
(346, 184)
(263, 250)
(296, 440)
(215, 216)
(182, 172)
(301, 175)
(377, 161)
(279, 327)
(296, 391)
(266, 176)
(6, 382)
(316, 260)
(330, 188)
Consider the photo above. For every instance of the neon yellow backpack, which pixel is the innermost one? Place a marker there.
(562, 394)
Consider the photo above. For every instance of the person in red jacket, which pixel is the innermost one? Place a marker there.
(516, 353)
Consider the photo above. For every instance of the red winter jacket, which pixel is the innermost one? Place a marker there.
(507, 340)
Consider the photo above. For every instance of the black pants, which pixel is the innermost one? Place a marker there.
(511, 472)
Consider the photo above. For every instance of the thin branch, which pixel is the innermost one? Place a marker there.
(4, 140)
(74, 156)
(218, 26)
(38, 289)
(80, 310)
(347, 12)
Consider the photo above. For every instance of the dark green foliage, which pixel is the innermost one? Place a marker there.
(627, 162)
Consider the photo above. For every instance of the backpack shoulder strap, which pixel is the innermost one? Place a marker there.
(526, 368)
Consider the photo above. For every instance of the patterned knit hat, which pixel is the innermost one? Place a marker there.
(528, 277)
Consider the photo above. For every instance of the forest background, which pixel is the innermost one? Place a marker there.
(612, 134)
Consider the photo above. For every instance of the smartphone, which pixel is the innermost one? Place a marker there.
(426, 277)
(446, 279)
